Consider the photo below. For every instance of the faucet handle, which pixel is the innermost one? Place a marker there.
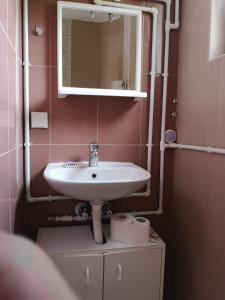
(93, 146)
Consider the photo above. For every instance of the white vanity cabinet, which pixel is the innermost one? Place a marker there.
(132, 275)
(113, 271)
(84, 273)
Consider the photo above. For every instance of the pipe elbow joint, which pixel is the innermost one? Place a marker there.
(147, 193)
(162, 146)
(155, 11)
(29, 198)
(159, 212)
(175, 26)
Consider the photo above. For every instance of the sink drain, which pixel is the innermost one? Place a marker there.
(94, 175)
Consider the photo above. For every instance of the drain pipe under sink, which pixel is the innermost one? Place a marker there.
(97, 222)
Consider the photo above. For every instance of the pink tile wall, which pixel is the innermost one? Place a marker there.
(198, 187)
(11, 151)
(119, 125)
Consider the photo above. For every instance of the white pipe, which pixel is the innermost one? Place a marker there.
(208, 149)
(168, 27)
(151, 10)
(97, 222)
(176, 23)
(68, 218)
(26, 98)
(164, 103)
(152, 97)
(65, 218)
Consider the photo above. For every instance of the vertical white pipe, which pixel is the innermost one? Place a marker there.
(164, 102)
(152, 95)
(97, 222)
(176, 23)
(138, 54)
(26, 97)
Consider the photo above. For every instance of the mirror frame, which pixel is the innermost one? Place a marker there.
(64, 91)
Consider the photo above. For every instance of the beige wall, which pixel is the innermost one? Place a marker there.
(93, 54)
(112, 52)
(86, 59)
(199, 178)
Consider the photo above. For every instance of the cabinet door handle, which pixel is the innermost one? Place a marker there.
(88, 276)
(119, 270)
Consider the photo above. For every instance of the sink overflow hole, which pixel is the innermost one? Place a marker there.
(94, 175)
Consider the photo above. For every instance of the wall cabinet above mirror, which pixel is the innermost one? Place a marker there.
(99, 50)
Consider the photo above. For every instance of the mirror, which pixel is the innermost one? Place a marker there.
(99, 50)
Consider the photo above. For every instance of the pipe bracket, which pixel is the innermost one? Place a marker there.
(27, 144)
(162, 146)
(155, 11)
(26, 63)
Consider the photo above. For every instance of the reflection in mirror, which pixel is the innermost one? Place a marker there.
(99, 50)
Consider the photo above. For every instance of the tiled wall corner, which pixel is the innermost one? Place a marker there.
(11, 150)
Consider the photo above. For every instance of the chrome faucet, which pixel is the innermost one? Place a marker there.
(93, 155)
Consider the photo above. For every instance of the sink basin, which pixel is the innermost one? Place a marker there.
(108, 181)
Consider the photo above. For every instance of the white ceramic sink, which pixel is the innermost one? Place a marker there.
(108, 181)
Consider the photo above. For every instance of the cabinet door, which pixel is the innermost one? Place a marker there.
(133, 275)
(83, 273)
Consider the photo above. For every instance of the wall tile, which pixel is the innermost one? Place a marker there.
(120, 153)
(119, 123)
(74, 120)
(40, 156)
(4, 194)
(217, 266)
(63, 153)
(3, 94)
(40, 100)
(3, 13)
(196, 109)
(191, 264)
(39, 46)
(13, 94)
(16, 188)
(20, 104)
(174, 52)
(12, 20)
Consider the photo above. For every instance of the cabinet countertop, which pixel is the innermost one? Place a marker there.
(79, 240)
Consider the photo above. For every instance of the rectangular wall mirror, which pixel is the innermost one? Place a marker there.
(99, 50)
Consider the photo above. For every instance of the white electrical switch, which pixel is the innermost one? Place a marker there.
(39, 120)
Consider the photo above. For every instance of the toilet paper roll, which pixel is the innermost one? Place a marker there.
(138, 232)
(119, 226)
(117, 85)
